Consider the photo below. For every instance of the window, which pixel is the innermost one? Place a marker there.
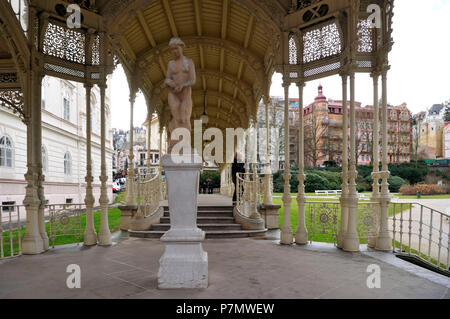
(44, 159)
(6, 152)
(66, 105)
(67, 164)
(8, 206)
(69, 200)
(43, 92)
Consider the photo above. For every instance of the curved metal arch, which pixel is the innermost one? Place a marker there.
(251, 60)
(265, 12)
(12, 32)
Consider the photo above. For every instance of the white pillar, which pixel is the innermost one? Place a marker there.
(149, 145)
(104, 235)
(301, 236)
(286, 229)
(131, 200)
(375, 157)
(344, 195)
(32, 242)
(351, 239)
(384, 240)
(267, 169)
(90, 236)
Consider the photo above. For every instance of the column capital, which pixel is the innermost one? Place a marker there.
(300, 84)
(344, 75)
(88, 85)
(286, 84)
(375, 74)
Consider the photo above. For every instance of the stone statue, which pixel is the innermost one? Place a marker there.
(179, 80)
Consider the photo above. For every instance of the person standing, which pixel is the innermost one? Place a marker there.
(238, 166)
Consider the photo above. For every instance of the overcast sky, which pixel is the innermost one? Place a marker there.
(419, 75)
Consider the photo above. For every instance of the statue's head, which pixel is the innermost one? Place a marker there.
(176, 45)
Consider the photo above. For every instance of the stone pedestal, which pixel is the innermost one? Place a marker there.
(127, 213)
(184, 264)
(270, 215)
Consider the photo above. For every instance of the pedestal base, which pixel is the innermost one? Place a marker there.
(183, 265)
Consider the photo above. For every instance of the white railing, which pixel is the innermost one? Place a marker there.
(12, 221)
(148, 195)
(247, 194)
(421, 232)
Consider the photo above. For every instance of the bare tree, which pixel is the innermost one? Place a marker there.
(316, 139)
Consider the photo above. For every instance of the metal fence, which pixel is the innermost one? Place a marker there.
(422, 233)
(12, 222)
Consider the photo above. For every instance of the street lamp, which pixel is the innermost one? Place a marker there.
(204, 118)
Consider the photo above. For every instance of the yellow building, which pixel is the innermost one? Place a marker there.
(431, 133)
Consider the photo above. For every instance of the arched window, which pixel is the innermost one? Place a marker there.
(44, 158)
(66, 105)
(6, 152)
(67, 164)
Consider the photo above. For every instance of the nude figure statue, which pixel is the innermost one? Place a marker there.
(179, 80)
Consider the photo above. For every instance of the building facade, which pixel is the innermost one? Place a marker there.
(323, 120)
(63, 145)
(446, 145)
(430, 126)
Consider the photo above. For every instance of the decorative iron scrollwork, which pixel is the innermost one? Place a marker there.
(65, 220)
(365, 37)
(63, 43)
(321, 43)
(8, 78)
(13, 100)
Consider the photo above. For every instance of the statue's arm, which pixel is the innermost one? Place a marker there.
(192, 75)
(169, 80)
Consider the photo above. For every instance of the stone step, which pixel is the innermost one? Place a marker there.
(208, 214)
(205, 220)
(209, 234)
(205, 227)
(209, 208)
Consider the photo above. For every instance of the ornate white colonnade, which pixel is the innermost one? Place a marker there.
(289, 34)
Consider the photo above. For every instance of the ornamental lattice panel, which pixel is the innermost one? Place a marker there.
(292, 51)
(321, 43)
(365, 37)
(66, 44)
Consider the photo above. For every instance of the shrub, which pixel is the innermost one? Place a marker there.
(395, 182)
(424, 189)
(409, 172)
(315, 182)
(334, 179)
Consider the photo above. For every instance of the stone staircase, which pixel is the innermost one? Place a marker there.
(216, 221)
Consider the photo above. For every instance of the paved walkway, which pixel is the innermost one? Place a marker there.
(440, 205)
(238, 268)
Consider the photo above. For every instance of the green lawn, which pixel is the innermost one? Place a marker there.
(114, 220)
(120, 197)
